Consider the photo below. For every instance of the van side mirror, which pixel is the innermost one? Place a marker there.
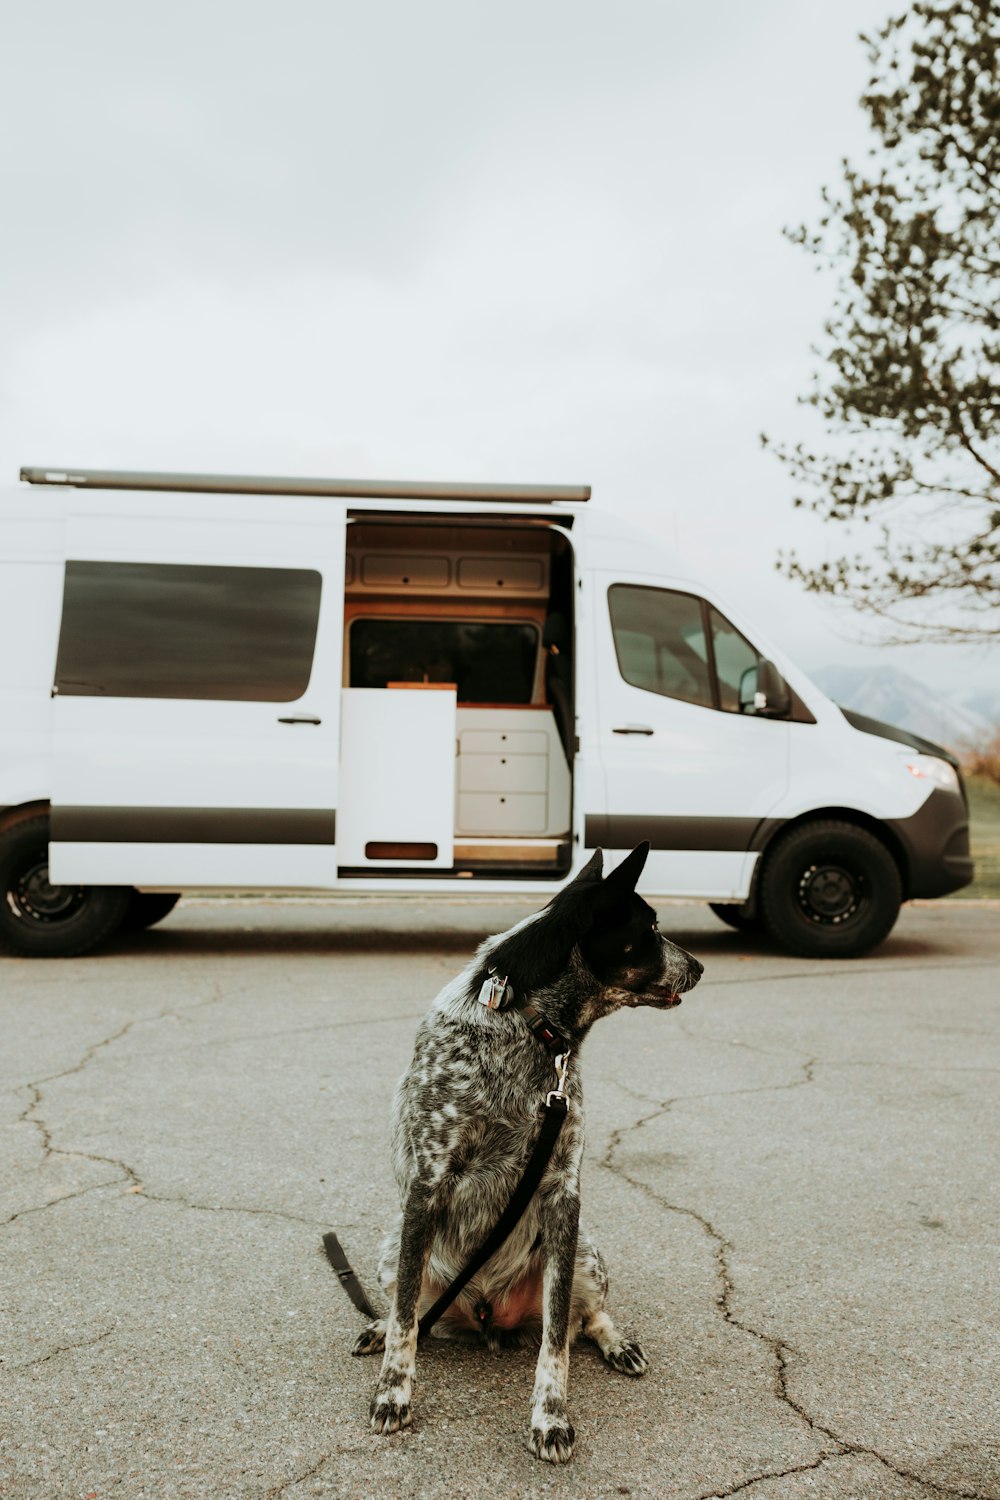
(764, 692)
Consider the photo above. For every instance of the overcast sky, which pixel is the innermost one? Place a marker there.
(520, 241)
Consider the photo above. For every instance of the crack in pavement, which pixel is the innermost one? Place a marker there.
(821, 1062)
(779, 1348)
(38, 1208)
(746, 1484)
(43, 1359)
(27, 1115)
(265, 1036)
(808, 1076)
(127, 1174)
(286, 1484)
(139, 1190)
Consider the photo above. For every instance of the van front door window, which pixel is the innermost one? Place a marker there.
(660, 642)
(678, 645)
(733, 655)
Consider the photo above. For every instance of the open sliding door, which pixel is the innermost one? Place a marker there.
(197, 694)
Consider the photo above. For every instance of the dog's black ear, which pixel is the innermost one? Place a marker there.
(537, 952)
(625, 876)
(592, 870)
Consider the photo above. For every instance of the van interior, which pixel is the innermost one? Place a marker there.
(458, 732)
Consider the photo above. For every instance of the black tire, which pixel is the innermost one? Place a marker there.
(734, 915)
(830, 890)
(39, 920)
(146, 908)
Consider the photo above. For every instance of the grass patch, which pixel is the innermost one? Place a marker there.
(984, 820)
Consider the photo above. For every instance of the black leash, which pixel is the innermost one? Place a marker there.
(556, 1110)
(352, 1286)
(555, 1114)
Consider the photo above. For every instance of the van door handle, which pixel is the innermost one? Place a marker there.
(300, 719)
(633, 729)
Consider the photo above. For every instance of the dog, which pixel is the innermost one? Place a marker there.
(465, 1117)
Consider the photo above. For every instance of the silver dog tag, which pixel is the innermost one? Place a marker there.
(492, 992)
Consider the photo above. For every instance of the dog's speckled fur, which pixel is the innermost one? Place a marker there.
(465, 1117)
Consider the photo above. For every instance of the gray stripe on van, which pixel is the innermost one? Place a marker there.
(193, 825)
(624, 831)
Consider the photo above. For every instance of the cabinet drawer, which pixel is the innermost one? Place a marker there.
(492, 812)
(504, 742)
(503, 773)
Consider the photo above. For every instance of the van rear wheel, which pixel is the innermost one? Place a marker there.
(146, 908)
(40, 920)
(830, 890)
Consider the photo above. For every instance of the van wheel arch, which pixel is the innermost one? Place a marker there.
(871, 825)
(12, 815)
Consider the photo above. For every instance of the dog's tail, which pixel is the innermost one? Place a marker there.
(334, 1251)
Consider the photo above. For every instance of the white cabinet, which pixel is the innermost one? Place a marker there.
(513, 780)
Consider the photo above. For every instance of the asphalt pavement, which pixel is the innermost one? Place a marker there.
(793, 1178)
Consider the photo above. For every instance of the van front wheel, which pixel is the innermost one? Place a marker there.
(734, 914)
(39, 920)
(830, 890)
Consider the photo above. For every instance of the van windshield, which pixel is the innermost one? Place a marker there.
(488, 661)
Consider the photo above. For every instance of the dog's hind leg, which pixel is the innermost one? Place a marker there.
(372, 1339)
(390, 1408)
(590, 1291)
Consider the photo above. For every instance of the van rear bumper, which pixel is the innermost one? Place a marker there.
(935, 841)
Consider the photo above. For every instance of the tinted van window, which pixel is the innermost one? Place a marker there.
(660, 642)
(164, 630)
(488, 661)
(733, 655)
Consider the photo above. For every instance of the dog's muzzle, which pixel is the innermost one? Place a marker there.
(668, 994)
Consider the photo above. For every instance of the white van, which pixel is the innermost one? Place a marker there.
(242, 684)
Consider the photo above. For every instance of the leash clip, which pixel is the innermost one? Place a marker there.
(562, 1068)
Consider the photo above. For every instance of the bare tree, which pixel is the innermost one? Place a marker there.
(909, 390)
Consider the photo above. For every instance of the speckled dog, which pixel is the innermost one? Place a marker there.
(465, 1117)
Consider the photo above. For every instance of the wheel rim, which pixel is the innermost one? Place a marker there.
(33, 898)
(831, 895)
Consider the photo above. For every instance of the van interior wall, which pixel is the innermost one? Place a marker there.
(485, 607)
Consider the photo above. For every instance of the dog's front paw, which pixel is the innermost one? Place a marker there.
(552, 1438)
(390, 1409)
(627, 1357)
(372, 1340)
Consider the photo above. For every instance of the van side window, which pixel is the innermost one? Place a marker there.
(164, 630)
(660, 642)
(733, 655)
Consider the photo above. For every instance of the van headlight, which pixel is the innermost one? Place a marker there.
(931, 768)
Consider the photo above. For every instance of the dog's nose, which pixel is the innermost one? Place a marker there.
(695, 971)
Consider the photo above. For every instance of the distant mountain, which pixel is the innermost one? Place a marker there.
(896, 697)
(984, 701)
